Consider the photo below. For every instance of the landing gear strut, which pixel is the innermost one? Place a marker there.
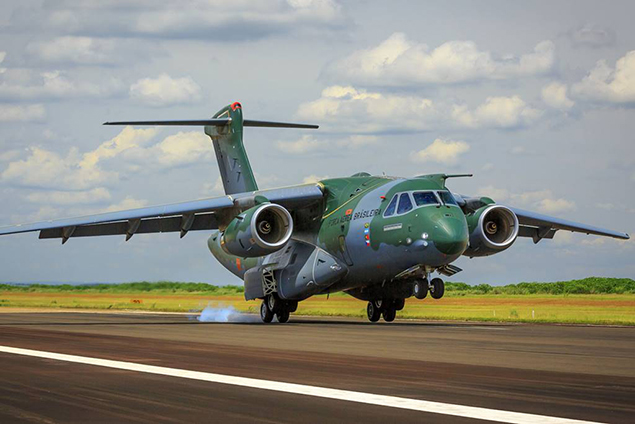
(273, 305)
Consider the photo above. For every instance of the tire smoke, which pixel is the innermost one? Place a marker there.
(222, 313)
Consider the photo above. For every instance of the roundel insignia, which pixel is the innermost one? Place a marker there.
(349, 211)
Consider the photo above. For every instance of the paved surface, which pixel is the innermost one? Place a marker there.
(585, 373)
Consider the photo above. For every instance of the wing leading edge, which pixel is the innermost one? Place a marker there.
(540, 226)
(177, 217)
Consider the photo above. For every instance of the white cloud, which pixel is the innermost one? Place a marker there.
(78, 50)
(555, 205)
(305, 144)
(128, 203)
(398, 61)
(605, 84)
(46, 169)
(538, 200)
(182, 148)
(205, 19)
(98, 194)
(555, 96)
(441, 151)
(24, 84)
(165, 90)
(349, 109)
(314, 179)
(497, 112)
(9, 112)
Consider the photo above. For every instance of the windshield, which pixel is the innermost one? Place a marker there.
(405, 204)
(447, 198)
(390, 210)
(423, 198)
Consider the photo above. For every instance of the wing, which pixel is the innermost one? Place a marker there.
(178, 217)
(538, 226)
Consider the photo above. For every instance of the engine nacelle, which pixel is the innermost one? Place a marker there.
(258, 231)
(493, 228)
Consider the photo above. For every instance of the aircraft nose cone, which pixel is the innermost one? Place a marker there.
(451, 237)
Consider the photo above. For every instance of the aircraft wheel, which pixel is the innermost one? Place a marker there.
(273, 302)
(420, 289)
(292, 305)
(399, 304)
(389, 313)
(437, 288)
(266, 315)
(373, 312)
(283, 316)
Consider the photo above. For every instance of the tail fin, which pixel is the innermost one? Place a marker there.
(233, 163)
(226, 131)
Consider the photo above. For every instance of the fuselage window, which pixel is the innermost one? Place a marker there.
(447, 198)
(390, 210)
(405, 204)
(423, 198)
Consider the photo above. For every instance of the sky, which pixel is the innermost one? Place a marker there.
(537, 100)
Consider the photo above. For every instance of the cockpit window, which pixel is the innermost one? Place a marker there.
(423, 198)
(447, 198)
(405, 204)
(390, 210)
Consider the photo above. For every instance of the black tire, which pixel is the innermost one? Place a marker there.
(283, 316)
(399, 304)
(373, 312)
(389, 314)
(420, 289)
(292, 305)
(274, 303)
(266, 315)
(437, 288)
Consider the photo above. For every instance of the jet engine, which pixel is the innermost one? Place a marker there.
(493, 228)
(258, 231)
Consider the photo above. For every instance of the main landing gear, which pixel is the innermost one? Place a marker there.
(273, 305)
(386, 308)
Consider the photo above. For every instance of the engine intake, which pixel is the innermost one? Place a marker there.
(258, 231)
(493, 228)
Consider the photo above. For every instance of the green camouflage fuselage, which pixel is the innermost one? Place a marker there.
(375, 248)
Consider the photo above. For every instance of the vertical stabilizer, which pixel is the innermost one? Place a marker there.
(233, 163)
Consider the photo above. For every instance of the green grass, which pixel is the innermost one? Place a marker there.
(588, 301)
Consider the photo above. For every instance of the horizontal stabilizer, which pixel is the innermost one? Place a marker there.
(218, 122)
(269, 124)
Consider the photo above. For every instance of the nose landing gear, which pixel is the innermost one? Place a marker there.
(437, 288)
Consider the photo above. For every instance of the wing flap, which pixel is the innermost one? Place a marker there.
(206, 221)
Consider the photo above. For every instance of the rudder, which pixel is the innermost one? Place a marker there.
(233, 163)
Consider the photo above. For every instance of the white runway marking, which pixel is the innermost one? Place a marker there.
(301, 389)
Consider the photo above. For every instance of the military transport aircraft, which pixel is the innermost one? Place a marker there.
(377, 238)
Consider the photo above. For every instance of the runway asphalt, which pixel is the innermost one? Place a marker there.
(576, 372)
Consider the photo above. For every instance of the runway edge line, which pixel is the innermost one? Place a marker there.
(306, 390)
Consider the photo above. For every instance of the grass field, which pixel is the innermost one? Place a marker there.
(459, 303)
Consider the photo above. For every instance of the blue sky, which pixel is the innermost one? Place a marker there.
(536, 99)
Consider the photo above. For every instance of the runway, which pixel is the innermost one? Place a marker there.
(575, 372)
